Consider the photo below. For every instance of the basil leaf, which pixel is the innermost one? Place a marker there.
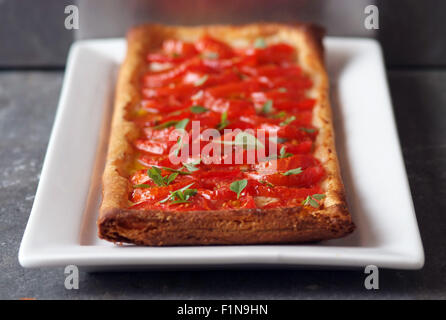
(244, 139)
(248, 141)
(260, 43)
(180, 145)
(210, 55)
(310, 201)
(154, 173)
(314, 203)
(224, 121)
(189, 193)
(308, 130)
(284, 154)
(267, 106)
(182, 124)
(318, 196)
(176, 170)
(238, 186)
(198, 109)
(267, 183)
(292, 171)
(143, 185)
(190, 167)
(201, 81)
(186, 187)
(279, 115)
(171, 177)
(181, 195)
(179, 201)
(287, 121)
(165, 125)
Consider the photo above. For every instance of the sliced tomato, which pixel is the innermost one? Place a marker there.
(162, 58)
(298, 148)
(209, 45)
(282, 192)
(179, 48)
(307, 178)
(215, 178)
(235, 89)
(234, 84)
(281, 165)
(154, 147)
(276, 53)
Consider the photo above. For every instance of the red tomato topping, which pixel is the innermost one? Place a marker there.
(220, 88)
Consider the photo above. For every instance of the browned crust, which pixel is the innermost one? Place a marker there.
(248, 226)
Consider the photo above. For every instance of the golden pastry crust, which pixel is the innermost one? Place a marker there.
(117, 223)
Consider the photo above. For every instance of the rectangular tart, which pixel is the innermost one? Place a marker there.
(235, 81)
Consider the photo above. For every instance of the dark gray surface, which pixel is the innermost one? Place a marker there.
(32, 33)
(27, 106)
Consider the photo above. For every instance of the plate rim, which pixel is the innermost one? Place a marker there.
(33, 256)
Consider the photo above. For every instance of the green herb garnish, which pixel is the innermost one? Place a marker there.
(246, 140)
(143, 185)
(176, 171)
(284, 154)
(198, 109)
(224, 121)
(201, 81)
(260, 43)
(182, 124)
(165, 125)
(292, 171)
(310, 200)
(210, 55)
(181, 195)
(154, 173)
(287, 121)
(191, 166)
(267, 106)
(308, 130)
(269, 184)
(180, 145)
(171, 177)
(238, 186)
(281, 114)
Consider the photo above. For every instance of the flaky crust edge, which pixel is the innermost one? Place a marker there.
(116, 223)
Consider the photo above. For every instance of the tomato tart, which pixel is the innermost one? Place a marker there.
(223, 135)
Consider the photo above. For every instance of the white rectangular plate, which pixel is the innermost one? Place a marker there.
(62, 226)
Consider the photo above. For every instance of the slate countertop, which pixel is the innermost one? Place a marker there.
(28, 101)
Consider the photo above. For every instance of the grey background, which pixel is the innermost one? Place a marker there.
(32, 33)
(32, 56)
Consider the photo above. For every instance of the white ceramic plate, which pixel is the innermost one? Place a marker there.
(62, 225)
